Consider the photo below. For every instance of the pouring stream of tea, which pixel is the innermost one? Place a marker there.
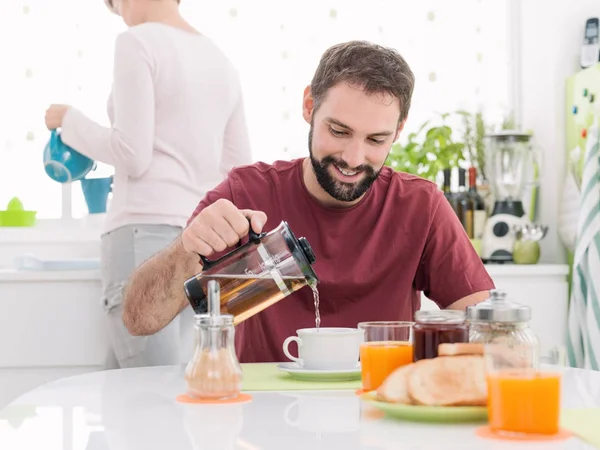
(317, 313)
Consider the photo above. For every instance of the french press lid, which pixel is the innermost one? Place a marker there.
(299, 247)
(498, 309)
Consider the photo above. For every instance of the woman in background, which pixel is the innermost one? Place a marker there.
(177, 128)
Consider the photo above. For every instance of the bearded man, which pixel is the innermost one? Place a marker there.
(380, 237)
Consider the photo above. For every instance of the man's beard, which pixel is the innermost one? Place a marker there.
(345, 192)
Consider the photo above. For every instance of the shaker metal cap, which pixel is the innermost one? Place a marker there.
(498, 309)
(207, 320)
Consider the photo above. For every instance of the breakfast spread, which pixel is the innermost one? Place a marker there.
(455, 378)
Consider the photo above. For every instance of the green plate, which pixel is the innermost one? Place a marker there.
(419, 413)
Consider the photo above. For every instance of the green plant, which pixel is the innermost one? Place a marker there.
(509, 122)
(474, 133)
(428, 151)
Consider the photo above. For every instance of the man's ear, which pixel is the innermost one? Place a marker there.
(399, 129)
(308, 105)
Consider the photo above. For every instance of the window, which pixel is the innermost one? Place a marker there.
(460, 56)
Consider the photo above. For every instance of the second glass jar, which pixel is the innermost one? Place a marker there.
(433, 328)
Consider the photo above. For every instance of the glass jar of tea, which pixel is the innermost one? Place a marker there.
(499, 320)
(433, 328)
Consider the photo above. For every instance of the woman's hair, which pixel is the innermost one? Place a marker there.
(109, 4)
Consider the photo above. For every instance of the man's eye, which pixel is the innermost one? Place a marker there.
(377, 141)
(337, 132)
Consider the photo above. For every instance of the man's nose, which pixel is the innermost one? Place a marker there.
(354, 154)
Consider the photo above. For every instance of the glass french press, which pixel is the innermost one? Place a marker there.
(256, 275)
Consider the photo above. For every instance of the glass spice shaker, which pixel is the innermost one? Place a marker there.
(214, 372)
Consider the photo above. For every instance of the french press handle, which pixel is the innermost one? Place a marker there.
(253, 237)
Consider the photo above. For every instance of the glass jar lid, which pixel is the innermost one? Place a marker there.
(498, 309)
(443, 316)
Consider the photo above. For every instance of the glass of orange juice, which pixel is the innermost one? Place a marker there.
(386, 346)
(522, 398)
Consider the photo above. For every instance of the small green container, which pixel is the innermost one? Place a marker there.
(17, 218)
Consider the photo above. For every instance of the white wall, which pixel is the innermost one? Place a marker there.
(551, 34)
(556, 28)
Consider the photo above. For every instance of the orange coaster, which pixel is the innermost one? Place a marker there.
(242, 398)
(487, 433)
(371, 413)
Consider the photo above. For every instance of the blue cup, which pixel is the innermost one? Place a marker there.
(62, 163)
(95, 192)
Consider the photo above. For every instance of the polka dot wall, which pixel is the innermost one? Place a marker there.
(61, 51)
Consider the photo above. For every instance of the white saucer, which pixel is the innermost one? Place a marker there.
(296, 371)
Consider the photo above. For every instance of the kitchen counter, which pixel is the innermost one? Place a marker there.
(48, 275)
(512, 270)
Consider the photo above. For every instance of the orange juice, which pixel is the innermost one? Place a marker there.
(524, 402)
(379, 359)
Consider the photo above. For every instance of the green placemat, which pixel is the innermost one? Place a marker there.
(583, 422)
(267, 377)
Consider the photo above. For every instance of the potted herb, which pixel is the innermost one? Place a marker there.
(428, 151)
(473, 134)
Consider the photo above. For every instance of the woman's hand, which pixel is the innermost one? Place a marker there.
(55, 115)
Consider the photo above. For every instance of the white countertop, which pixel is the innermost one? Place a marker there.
(527, 270)
(136, 409)
(495, 270)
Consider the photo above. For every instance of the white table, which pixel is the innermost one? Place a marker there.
(136, 409)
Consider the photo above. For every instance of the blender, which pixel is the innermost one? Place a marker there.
(510, 163)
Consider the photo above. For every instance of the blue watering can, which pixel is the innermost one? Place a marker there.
(62, 163)
(95, 191)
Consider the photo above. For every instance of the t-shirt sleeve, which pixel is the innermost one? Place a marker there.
(450, 268)
(223, 190)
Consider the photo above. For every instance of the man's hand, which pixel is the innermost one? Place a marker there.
(219, 227)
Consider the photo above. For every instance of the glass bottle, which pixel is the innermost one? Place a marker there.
(447, 188)
(477, 204)
(462, 199)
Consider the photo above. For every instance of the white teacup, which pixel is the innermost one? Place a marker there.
(326, 348)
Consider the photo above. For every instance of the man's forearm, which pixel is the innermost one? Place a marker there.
(154, 294)
(470, 300)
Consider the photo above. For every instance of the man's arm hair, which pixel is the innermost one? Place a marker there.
(154, 295)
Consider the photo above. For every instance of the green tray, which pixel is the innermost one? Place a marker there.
(267, 377)
(583, 422)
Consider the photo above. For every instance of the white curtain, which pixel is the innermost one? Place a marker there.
(61, 51)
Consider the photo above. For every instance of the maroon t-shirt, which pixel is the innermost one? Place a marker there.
(372, 259)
